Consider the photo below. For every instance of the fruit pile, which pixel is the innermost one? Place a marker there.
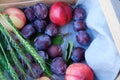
(39, 24)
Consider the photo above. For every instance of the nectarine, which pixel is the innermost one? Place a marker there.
(79, 71)
(43, 78)
(60, 13)
(17, 17)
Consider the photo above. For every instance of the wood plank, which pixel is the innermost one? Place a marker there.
(116, 6)
(8, 1)
(32, 2)
(118, 78)
(112, 21)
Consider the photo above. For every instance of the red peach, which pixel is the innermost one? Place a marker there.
(60, 13)
(79, 71)
(17, 17)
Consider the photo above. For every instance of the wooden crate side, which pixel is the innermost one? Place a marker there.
(19, 3)
(9, 1)
(112, 21)
(118, 78)
(116, 6)
(111, 16)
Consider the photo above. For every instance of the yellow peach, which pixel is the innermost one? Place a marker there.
(43, 78)
(17, 17)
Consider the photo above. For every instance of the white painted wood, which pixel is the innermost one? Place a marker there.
(111, 13)
(112, 21)
(23, 3)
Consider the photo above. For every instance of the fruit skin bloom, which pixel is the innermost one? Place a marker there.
(40, 25)
(83, 38)
(28, 31)
(60, 13)
(40, 11)
(42, 42)
(79, 13)
(29, 12)
(78, 54)
(58, 66)
(51, 30)
(54, 51)
(79, 25)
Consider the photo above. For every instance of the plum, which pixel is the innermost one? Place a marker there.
(29, 57)
(36, 71)
(83, 38)
(40, 11)
(51, 30)
(79, 13)
(42, 42)
(79, 25)
(40, 25)
(54, 51)
(29, 12)
(78, 54)
(58, 66)
(43, 54)
(28, 31)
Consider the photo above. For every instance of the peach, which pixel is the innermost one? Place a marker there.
(60, 13)
(79, 71)
(43, 78)
(17, 17)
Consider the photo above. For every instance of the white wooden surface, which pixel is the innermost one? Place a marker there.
(111, 11)
(116, 6)
(112, 20)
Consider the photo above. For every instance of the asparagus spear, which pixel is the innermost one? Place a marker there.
(17, 48)
(12, 53)
(2, 75)
(26, 45)
(7, 65)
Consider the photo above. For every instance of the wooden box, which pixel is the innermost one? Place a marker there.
(111, 10)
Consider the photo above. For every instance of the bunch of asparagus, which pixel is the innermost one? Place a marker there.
(7, 41)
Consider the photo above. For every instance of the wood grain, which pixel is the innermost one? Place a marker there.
(8, 1)
(24, 3)
(113, 22)
(118, 78)
(116, 6)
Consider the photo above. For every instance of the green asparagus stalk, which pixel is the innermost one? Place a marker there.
(12, 53)
(2, 75)
(26, 45)
(17, 48)
(7, 65)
